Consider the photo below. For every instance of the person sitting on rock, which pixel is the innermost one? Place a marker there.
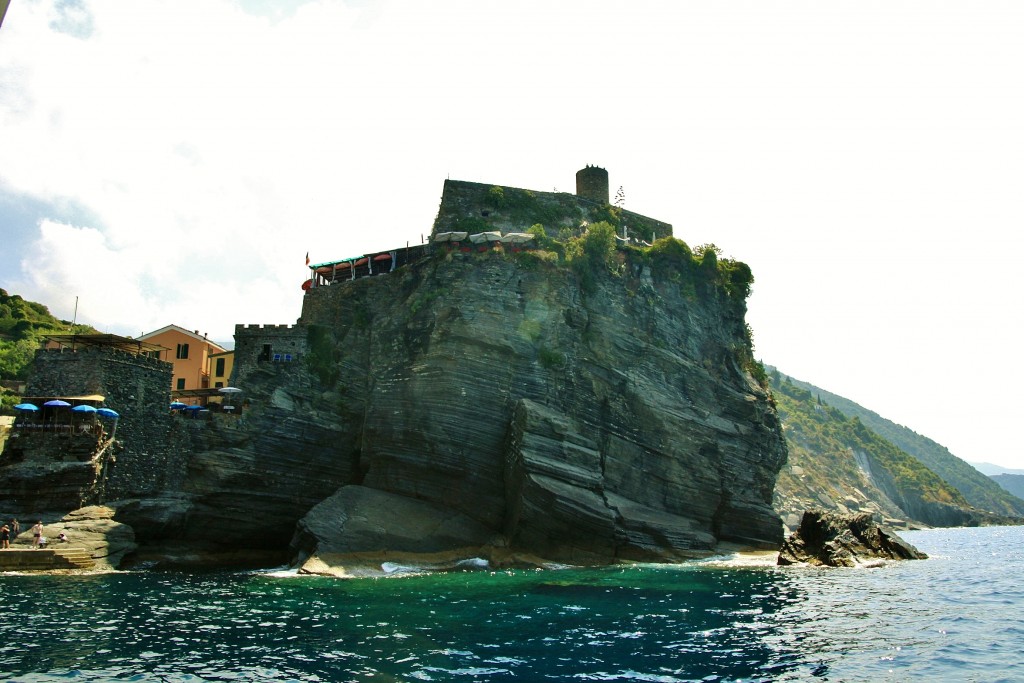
(62, 537)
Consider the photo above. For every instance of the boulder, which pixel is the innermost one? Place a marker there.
(363, 527)
(838, 540)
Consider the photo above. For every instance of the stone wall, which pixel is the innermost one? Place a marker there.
(139, 389)
(478, 207)
(270, 344)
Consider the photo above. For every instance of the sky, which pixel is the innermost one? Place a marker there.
(174, 161)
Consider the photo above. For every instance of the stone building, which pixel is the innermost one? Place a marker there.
(114, 372)
(269, 345)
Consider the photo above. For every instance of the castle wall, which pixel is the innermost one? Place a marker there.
(138, 388)
(478, 207)
(266, 344)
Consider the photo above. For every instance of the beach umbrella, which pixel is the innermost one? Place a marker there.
(56, 403)
(28, 407)
(107, 412)
(177, 405)
(83, 409)
(229, 390)
(193, 408)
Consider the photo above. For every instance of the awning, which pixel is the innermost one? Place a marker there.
(340, 263)
(449, 237)
(43, 399)
(516, 237)
(483, 237)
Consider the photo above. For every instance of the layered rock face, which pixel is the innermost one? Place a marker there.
(471, 404)
(497, 403)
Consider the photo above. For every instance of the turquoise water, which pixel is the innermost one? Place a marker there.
(954, 617)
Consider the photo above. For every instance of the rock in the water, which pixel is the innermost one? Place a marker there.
(836, 540)
(352, 532)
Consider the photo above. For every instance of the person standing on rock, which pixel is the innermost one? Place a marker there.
(37, 533)
(5, 537)
(15, 528)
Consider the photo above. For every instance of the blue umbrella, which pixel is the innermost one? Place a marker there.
(107, 412)
(56, 403)
(177, 405)
(83, 409)
(194, 408)
(29, 407)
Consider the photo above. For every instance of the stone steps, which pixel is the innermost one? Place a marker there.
(45, 559)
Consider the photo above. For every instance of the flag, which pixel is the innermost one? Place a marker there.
(307, 258)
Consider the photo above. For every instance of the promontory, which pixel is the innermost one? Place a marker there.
(548, 378)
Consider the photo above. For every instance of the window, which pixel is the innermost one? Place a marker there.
(219, 371)
(218, 385)
(181, 383)
(182, 351)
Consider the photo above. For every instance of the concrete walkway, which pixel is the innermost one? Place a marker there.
(18, 560)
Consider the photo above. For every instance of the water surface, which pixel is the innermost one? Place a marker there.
(953, 617)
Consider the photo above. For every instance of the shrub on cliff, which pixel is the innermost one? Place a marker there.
(592, 253)
(322, 356)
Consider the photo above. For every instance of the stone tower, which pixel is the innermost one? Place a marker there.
(592, 183)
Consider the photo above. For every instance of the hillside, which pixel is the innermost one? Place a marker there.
(837, 462)
(992, 470)
(979, 490)
(23, 324)
(1013, 483)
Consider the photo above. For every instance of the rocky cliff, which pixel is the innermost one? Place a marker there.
(497, 404)
(483, 401)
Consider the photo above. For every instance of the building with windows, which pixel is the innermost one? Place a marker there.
(221, 365)
(192, 355)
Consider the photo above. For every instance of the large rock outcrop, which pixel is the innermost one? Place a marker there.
(583, 424)
(837, 540)
(496, 405)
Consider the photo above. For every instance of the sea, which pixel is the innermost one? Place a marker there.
(958, 616)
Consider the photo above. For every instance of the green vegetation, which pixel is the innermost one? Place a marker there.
(23, 325)
(526, 208)
(550, 359)
(825, 444)
(979, 490)
(423, 299)
(540, 237)
(322, 356)
(591, 254)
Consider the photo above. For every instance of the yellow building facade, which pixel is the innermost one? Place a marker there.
(221, 365)
(190, 353)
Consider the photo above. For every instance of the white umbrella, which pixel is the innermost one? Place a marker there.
(229, 390)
